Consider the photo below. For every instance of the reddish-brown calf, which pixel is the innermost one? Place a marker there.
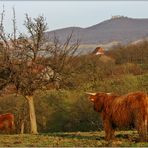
(7, 122)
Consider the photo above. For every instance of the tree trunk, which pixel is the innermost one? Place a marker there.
(32, 115)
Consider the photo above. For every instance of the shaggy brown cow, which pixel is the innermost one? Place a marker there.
(7, 122)
(122, 111)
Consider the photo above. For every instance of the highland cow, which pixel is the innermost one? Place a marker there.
(129, 110)
(7, 123)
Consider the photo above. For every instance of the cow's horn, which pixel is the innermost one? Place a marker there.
(108, 93)
(89, 93)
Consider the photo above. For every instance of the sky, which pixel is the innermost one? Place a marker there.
(62, 14)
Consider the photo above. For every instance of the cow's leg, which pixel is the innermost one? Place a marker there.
(6, 127)
(142, 134)
(145, 128)
(11, 127)
(142, 129)
(109, 131)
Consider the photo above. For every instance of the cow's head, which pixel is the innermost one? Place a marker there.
(98, 100)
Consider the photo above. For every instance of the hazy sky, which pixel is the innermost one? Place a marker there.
(60, 14)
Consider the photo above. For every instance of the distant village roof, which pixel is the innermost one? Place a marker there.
(98, 51)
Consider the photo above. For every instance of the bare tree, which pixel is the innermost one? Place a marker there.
(32, 63)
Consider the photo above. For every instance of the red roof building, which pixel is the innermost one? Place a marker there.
(98, 51)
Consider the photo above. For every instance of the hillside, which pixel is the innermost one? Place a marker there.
(122, 29)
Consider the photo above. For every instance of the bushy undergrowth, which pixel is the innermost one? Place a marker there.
(71, 111)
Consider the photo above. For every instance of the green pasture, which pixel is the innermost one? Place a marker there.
(71, 139)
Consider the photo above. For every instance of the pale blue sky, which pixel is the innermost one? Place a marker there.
(61, 14)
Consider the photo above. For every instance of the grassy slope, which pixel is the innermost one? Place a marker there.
(77, 139)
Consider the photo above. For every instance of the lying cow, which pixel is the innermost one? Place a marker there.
(122, 111)
(7, 122)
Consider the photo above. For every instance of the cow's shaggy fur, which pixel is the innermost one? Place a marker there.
(7, 123)
(122, 111)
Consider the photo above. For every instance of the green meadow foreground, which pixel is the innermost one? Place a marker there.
(73, 139)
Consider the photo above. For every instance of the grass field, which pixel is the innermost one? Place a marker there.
(73, 139)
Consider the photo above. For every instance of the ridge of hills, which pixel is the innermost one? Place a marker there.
(123, 30)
